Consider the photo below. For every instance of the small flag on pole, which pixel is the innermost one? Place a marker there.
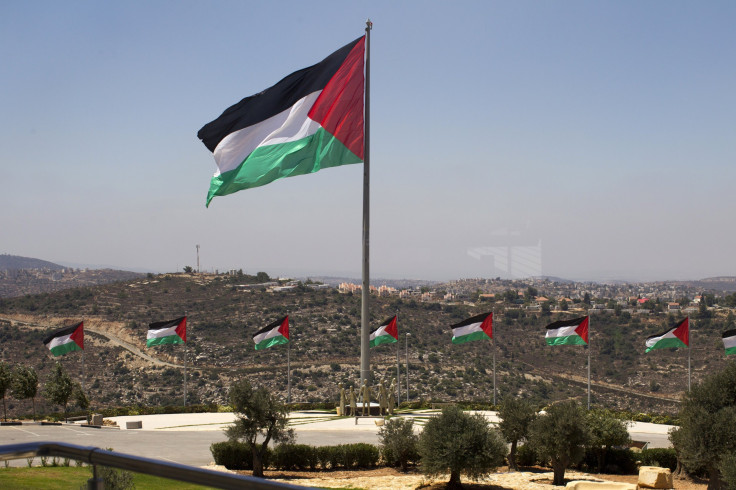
(387, 333)
(678, 336)
(275, 333)
(475, 328)
(568, 332)
(66, 340)
(311, 120)
(729, 341)
(167, 332)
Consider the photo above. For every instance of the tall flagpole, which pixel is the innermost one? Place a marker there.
(689, 343)
(365, 359)
(494, 368)
(588, 362)
(398, 363)
(185, 363)
(288, 375)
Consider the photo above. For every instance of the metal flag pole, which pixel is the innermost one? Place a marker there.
(288, 372)
(398, 364)
(494, 368)
(185, 364)
(407, 366)
(588, 362)
(689, 343)
(365, 359)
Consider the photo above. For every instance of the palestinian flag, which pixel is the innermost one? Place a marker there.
(729, 342)
(568, 332)
(310, 120)
(474, 328)
(66, 340)
(274, 334)
(678, 336)
(387, 333)
(169, 332)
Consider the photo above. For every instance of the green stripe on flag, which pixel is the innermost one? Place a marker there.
(269, 163)
(666, 343)
(278, 340)
(470, 337)
(169, 339)
(66, 348)
(568, 340)
(383, 339)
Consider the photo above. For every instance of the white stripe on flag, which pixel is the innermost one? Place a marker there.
(562, 331)
(267, 335)
(162, 332)
(57, 341)
(287, 126)
(466, 330)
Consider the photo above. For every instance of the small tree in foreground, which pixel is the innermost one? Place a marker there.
(460, 443)
(707, 432)
(25, 385)
(516, 416)
(606, 431)
(398, 442)
(59, 387)
(560, 436)
(6, 380)
(259, 414)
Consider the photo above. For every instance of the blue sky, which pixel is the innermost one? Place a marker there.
(587, 140)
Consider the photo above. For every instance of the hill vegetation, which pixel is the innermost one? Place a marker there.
(224, 311)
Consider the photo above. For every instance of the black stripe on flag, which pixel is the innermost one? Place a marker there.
(274, 100)
(165, 324)
(271, 326)
(566, 323)
(729, 333)
(61, 332)
(470, 321)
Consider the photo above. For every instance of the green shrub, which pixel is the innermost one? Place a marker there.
(526, 456)
(619, 461)
(235, 455)
(295, 457)
(399, 443)
(364, 455)
(665, 458)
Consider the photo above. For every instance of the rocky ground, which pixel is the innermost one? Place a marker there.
(531, 478)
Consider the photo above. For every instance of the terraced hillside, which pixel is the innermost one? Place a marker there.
(223, 316)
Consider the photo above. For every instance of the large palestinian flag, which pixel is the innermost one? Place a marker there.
(387, 333)
(568, 332)
(168, 332)
(66, 340)
(678, 336)
(274, 334)
(729, 342)
(475, 328)
(310, 120)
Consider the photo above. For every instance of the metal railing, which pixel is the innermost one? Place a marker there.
(100, 457)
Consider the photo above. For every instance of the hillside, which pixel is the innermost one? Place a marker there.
(223, 316)
(15, 262)
(23, 275)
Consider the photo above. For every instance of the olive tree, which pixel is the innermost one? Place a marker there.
(258, 416)
(59, 387)
(560, 436)
(707, 432)
(25, 385)
(460, 443)
(6, 380)
(606, 431)
(398, 442)
(516, 416)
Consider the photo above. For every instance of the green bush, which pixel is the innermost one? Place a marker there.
(399, 443)
(295, 457)
(364, 455)
(665, 458)
(235, 455)
(526, 456)
(619, 461)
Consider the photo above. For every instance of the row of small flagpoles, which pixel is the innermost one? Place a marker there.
(574, 331)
